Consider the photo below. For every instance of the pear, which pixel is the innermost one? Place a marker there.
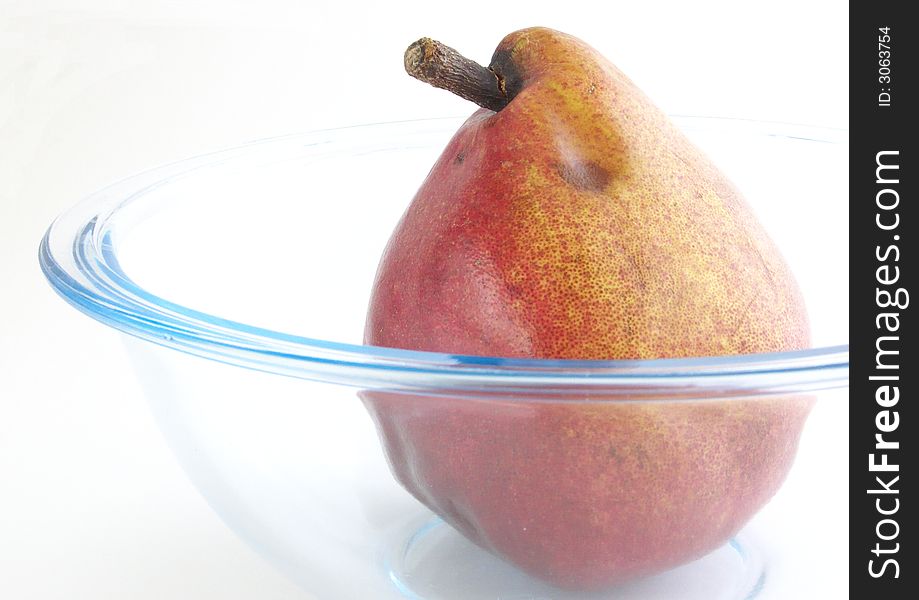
(568, 218)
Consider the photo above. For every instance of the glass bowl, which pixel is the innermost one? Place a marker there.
(240, 280)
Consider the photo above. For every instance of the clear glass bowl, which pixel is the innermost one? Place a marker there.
(262, 257)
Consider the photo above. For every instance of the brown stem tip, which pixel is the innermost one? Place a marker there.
(441, 66)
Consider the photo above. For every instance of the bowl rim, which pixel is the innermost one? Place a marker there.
(77, 257)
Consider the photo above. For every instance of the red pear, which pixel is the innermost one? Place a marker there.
(569, 218)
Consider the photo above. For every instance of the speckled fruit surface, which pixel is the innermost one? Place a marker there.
(588, 495)
(578, 222)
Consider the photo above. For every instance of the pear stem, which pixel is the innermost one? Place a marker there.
(441, 66)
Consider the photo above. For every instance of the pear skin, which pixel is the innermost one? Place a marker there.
(586, 494)
(576, 221)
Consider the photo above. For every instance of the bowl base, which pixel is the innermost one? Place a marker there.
(435, 562)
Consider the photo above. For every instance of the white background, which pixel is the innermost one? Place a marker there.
(92, 504)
